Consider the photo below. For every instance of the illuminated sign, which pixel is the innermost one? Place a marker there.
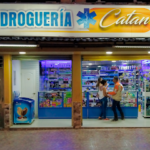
(74, 20)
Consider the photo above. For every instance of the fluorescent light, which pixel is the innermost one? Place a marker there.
(99, 66)
(87, 66)
(19, 45)
(90, 63)
(113, 61)
(131, 46)
(149, 52)
(108, 52)
(22, 52)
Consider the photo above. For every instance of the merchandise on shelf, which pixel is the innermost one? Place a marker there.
(67, 99)
(50, 99)
(129, 99)
(55, 75)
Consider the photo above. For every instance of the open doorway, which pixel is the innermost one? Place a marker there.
(135, 102)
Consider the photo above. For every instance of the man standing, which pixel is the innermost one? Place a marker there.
(117, 96)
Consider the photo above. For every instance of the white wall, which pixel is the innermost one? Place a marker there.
(16, 79)
(33, 64)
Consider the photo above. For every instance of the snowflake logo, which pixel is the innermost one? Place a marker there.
(86, 18)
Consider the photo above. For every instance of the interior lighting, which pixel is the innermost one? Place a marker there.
(113, 61)
(99, 66)
(131, 46)
(108, 52)
(149, 52)
(87, 66)
(22, 52)
(19, 45)
(90, 63)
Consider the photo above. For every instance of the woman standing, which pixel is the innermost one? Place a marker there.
(97, 86)
(103, 97)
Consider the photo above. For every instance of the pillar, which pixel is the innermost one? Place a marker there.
(76, 91)
(7, 91)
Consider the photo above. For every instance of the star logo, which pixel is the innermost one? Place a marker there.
(86, 18)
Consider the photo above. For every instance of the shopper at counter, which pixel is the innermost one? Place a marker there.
(116, 96)
(98, 84)
(103, 98)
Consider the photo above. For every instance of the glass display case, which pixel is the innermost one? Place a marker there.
(55, 96)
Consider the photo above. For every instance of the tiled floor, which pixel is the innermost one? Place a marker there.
(81, 139)
(87, 123)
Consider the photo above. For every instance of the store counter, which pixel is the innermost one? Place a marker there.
(54, 105)
(92, 109)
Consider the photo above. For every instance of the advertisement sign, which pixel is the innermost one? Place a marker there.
(74, 20)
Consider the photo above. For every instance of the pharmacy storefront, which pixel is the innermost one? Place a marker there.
(53, 82)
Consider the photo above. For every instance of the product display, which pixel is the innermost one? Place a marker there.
(67, 99)
(50, 99)
(129, 75)
(55, 75)
(55, 96)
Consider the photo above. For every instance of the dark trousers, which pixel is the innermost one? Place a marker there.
(114, 105)
(103, 107)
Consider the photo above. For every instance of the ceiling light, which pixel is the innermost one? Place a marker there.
(90, 63)
(87, 66)
(22, 52)
(99, 66)
(108, 52)
(149, 52)
(131, 46)
(113, 61)
(19, 45)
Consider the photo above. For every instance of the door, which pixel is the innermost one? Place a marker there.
(28, 87)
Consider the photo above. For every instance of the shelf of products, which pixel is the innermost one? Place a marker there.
(55, 96)
(55, 75)
(129, 99)
(48, 100)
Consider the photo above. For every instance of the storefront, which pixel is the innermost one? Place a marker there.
(61, 79)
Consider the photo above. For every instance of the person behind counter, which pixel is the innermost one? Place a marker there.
(103, 98)
(116, 96)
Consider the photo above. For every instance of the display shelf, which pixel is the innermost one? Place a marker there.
(88, 85)
(54, 105)
(92, 108)
(108, 70)
(59, 88)
(109, 75)
(90, 74)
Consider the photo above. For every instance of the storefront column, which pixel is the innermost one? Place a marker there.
(76, 92)
(7, 91)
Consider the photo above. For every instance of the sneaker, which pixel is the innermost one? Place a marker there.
(106, 119)
(100, 118)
